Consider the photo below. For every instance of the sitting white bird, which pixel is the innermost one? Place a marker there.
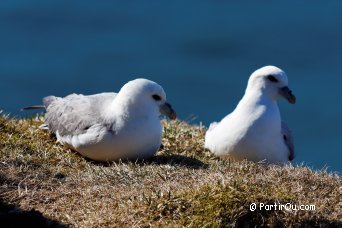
(254, 130)
(110, 126)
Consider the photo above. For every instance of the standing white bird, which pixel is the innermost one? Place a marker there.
(110, 126)
(254, 130)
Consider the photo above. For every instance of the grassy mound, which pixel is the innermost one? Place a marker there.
(184, 185)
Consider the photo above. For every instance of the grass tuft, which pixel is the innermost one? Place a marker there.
(184, 185)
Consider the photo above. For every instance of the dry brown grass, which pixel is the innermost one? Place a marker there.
(184, 185)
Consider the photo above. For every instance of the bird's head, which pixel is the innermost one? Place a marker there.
(271, 81)
(143, 95)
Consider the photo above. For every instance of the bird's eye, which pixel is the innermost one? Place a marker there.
(272, 78)
(156, 97)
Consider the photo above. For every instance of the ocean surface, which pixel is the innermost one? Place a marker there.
(201, 52)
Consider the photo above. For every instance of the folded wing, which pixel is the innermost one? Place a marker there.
(75, 113)
(288, 139)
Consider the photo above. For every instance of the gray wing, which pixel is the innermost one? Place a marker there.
(75, 113)
(48, 100)
(287, 135)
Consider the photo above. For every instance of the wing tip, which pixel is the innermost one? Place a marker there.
(33, 107)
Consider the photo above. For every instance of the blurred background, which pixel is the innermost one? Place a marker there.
(201, 51)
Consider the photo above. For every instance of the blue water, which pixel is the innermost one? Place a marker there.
(201, 52)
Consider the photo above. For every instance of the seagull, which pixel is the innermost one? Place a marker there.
(110, 126)
(254, 130)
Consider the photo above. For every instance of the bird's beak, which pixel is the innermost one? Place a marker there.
(287, 94)
(167, 110)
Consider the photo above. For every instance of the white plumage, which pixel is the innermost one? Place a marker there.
(254, 130)
(110, 126)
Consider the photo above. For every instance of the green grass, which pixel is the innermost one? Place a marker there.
(184, 185)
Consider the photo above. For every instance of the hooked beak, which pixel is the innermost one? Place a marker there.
(167, 110)
(287, 94)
